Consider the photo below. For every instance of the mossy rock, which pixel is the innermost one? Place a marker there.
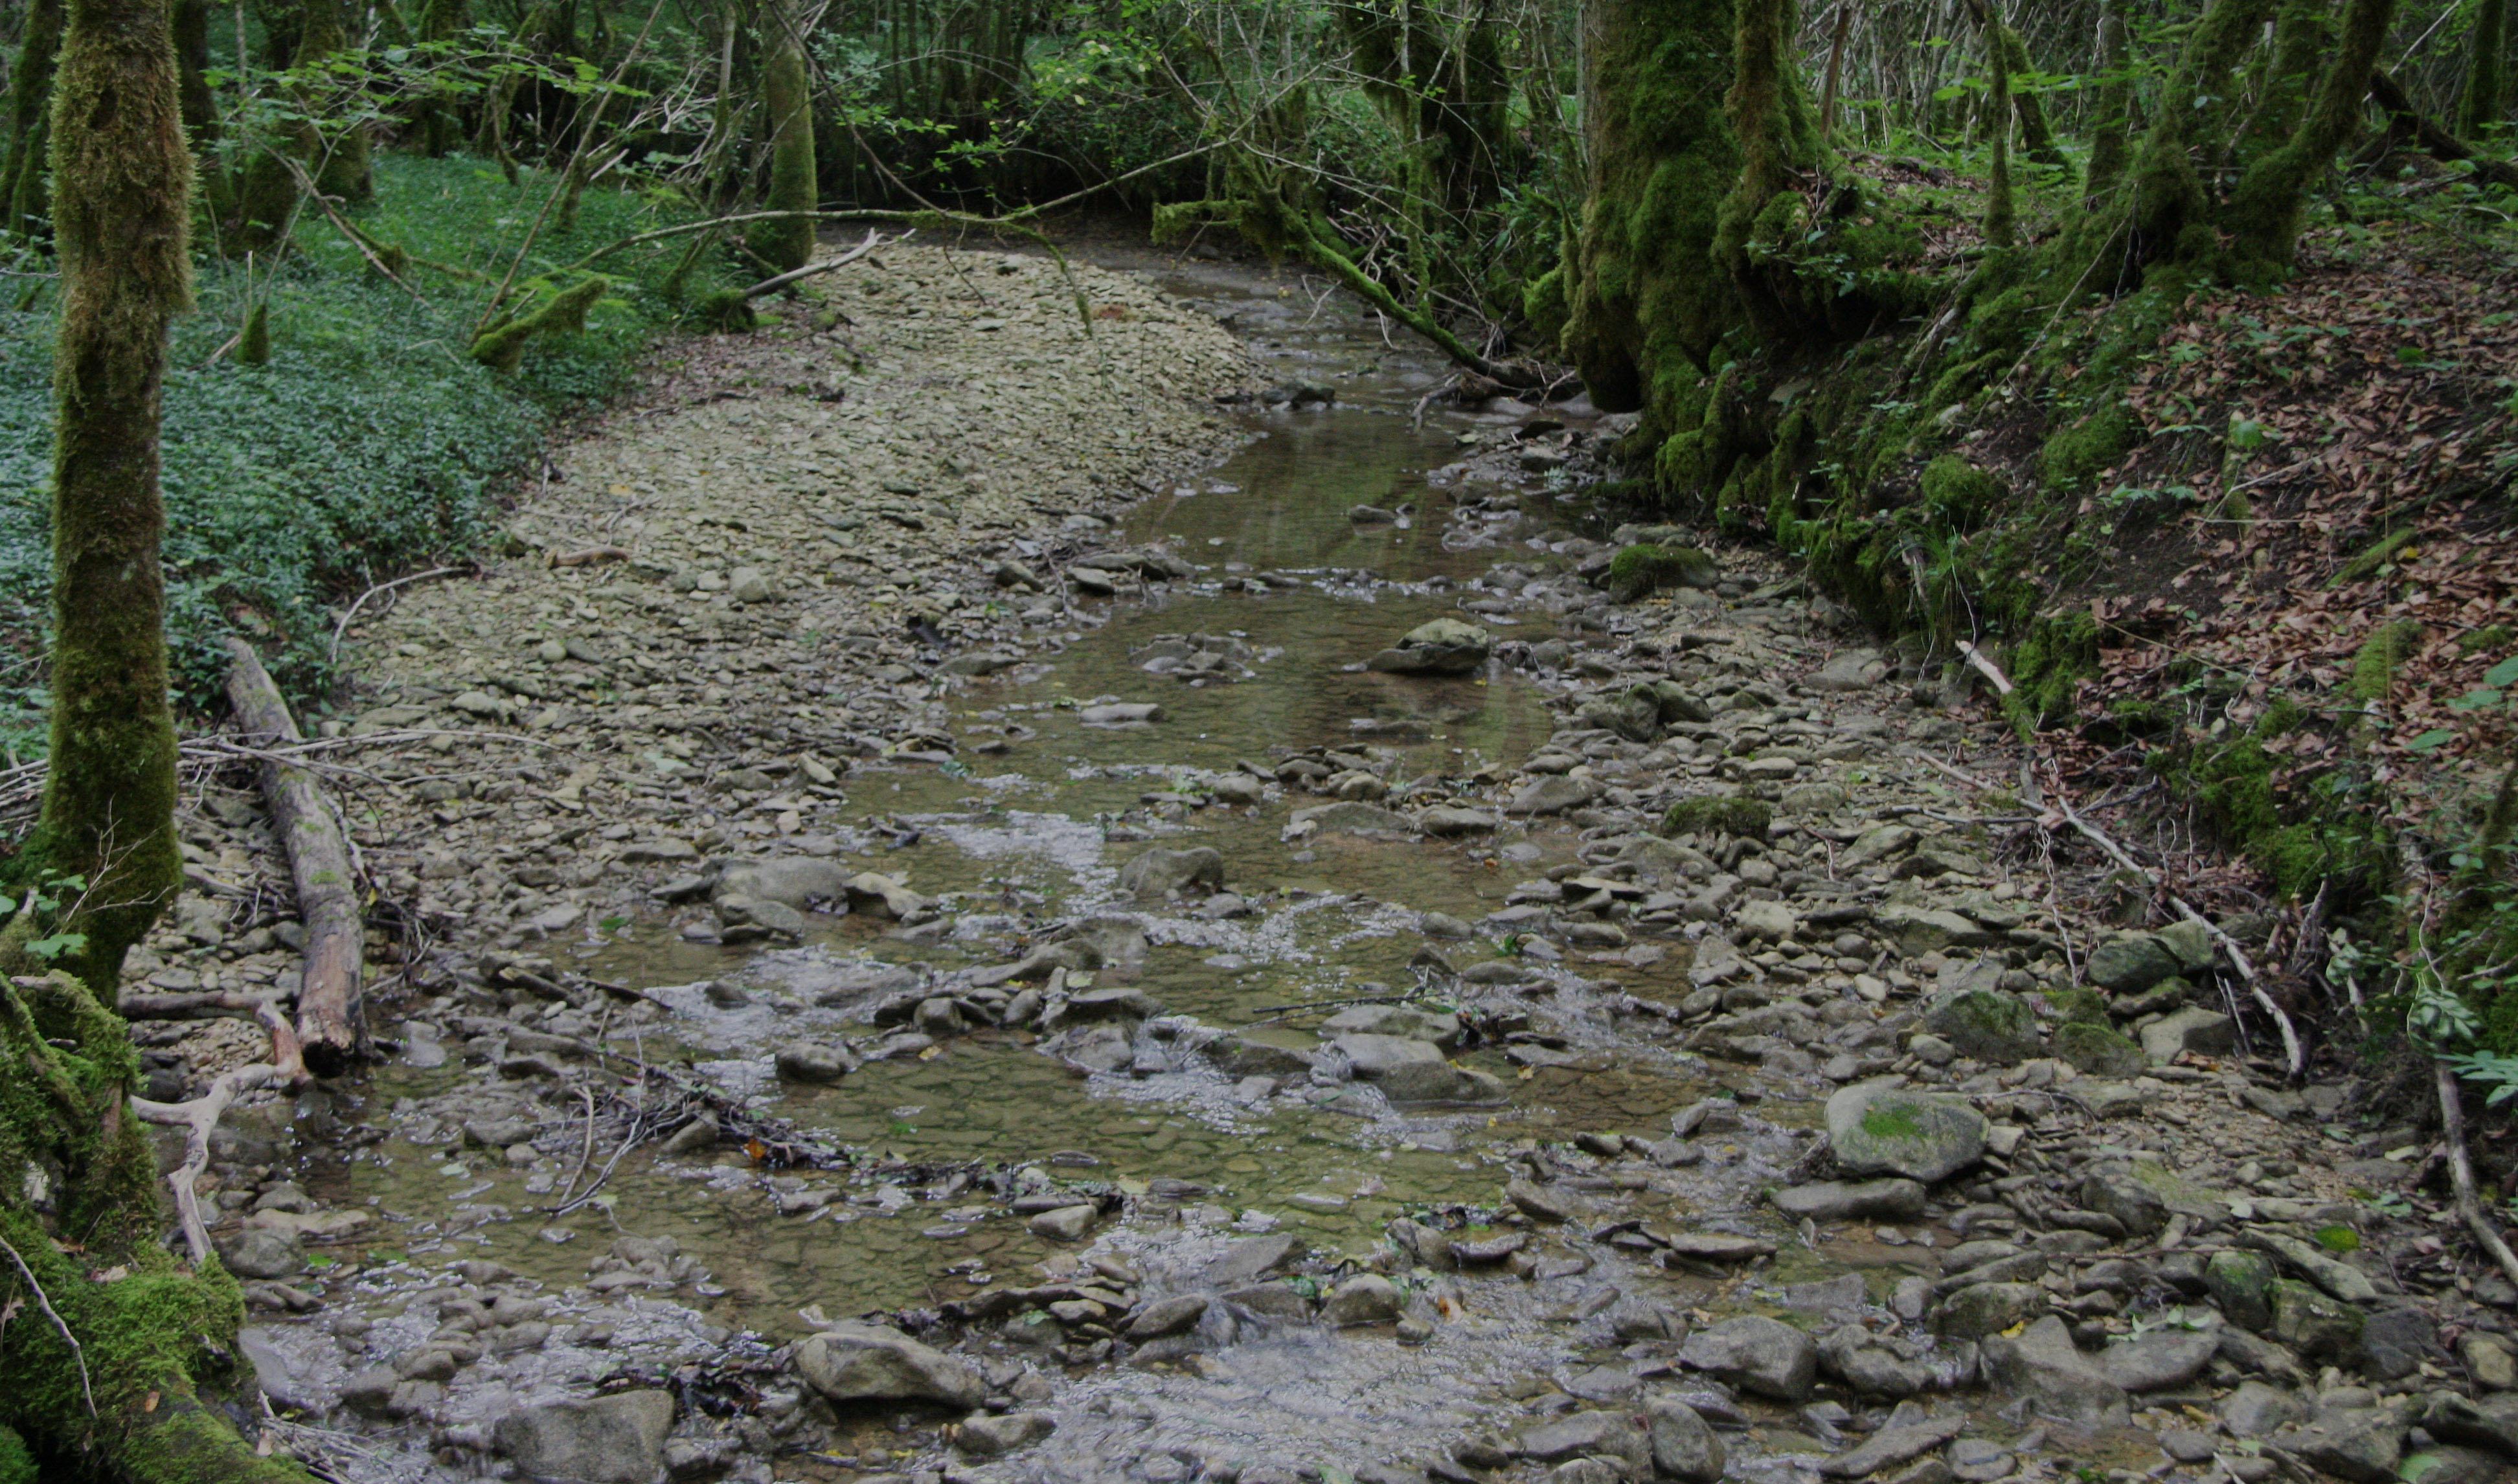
(2242, 1285)
(1990, 1025)
(1648, 568)
(2322, 1329)
(2098, 1052)
(2079, 1005)
(1719, 813)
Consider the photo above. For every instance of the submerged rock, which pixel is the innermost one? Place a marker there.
(1441, 647)
(604, 1440)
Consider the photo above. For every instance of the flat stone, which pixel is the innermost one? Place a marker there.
(874, 1362)
(1248, 1260)
(2159, 1358)
(1894, 1200)
(2042, 1366)
(1755, 1354)
(617, 1439)
(1891, 1446)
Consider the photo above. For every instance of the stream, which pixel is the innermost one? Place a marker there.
(1172, 1116)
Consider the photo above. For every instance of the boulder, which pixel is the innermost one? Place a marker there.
(2321, 1329)
(1990, 1025)
(1366, 1299)
(1159, 873)
(2129, 963)
(1683, 1446)
(793, 882)
(1875, 1129)
(2042, 1366)
(2117, 1195)
(986, 1436)
(2205, 1032)
(2241, 1284)
(1980, 1309)
(1846, 672)
(1167, 1316)
(1757, 1354)
(617, 1439)
(2095, 1050)
(263, 1254)
(2362, 1445)
(1441, 647)
(2256, 1410)
(874, 1362)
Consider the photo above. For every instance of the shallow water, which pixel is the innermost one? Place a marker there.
(1036, 833)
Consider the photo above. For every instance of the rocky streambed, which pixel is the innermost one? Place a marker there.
(990, 893)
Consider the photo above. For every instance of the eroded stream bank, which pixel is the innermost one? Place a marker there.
(963, 872)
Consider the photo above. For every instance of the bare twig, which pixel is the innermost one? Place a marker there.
(343, 626)
(828, 265)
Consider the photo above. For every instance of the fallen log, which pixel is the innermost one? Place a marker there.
(330, 1017)
(2407, 121)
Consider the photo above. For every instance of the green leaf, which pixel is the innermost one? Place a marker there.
(2430, 738)
(56, 945)
(2476, 700)
(2502, 675)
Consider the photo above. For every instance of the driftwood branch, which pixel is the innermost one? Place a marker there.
(827, 265)
(330, 1013)
(286, 1068)
(2460, 1169)
(205, 1004)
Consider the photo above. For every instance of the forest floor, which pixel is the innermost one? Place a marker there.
(979, 900)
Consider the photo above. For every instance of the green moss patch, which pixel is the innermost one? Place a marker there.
(1711, 813)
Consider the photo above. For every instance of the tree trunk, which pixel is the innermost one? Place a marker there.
(794, 185)
(2000, 228)
(122, 179)
(341, 163)
(119, 1397)
(31, 93)
(2111, 124)
(2264, 210)
(1641, 297)
(2485, 96)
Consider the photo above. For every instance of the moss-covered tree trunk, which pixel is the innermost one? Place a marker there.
(2111, 121)
(2264, 211)
(122, 209)
(23, 167)
(436, 129)
(2485, 97)
(787, 91)
(343, 167)
(78, 1197)
(2000, 212)
(1646, 309)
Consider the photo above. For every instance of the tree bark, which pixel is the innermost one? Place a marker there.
(332, 1019)
(2485, 97)
(794, 185)
(122, 180)
(30, 94)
